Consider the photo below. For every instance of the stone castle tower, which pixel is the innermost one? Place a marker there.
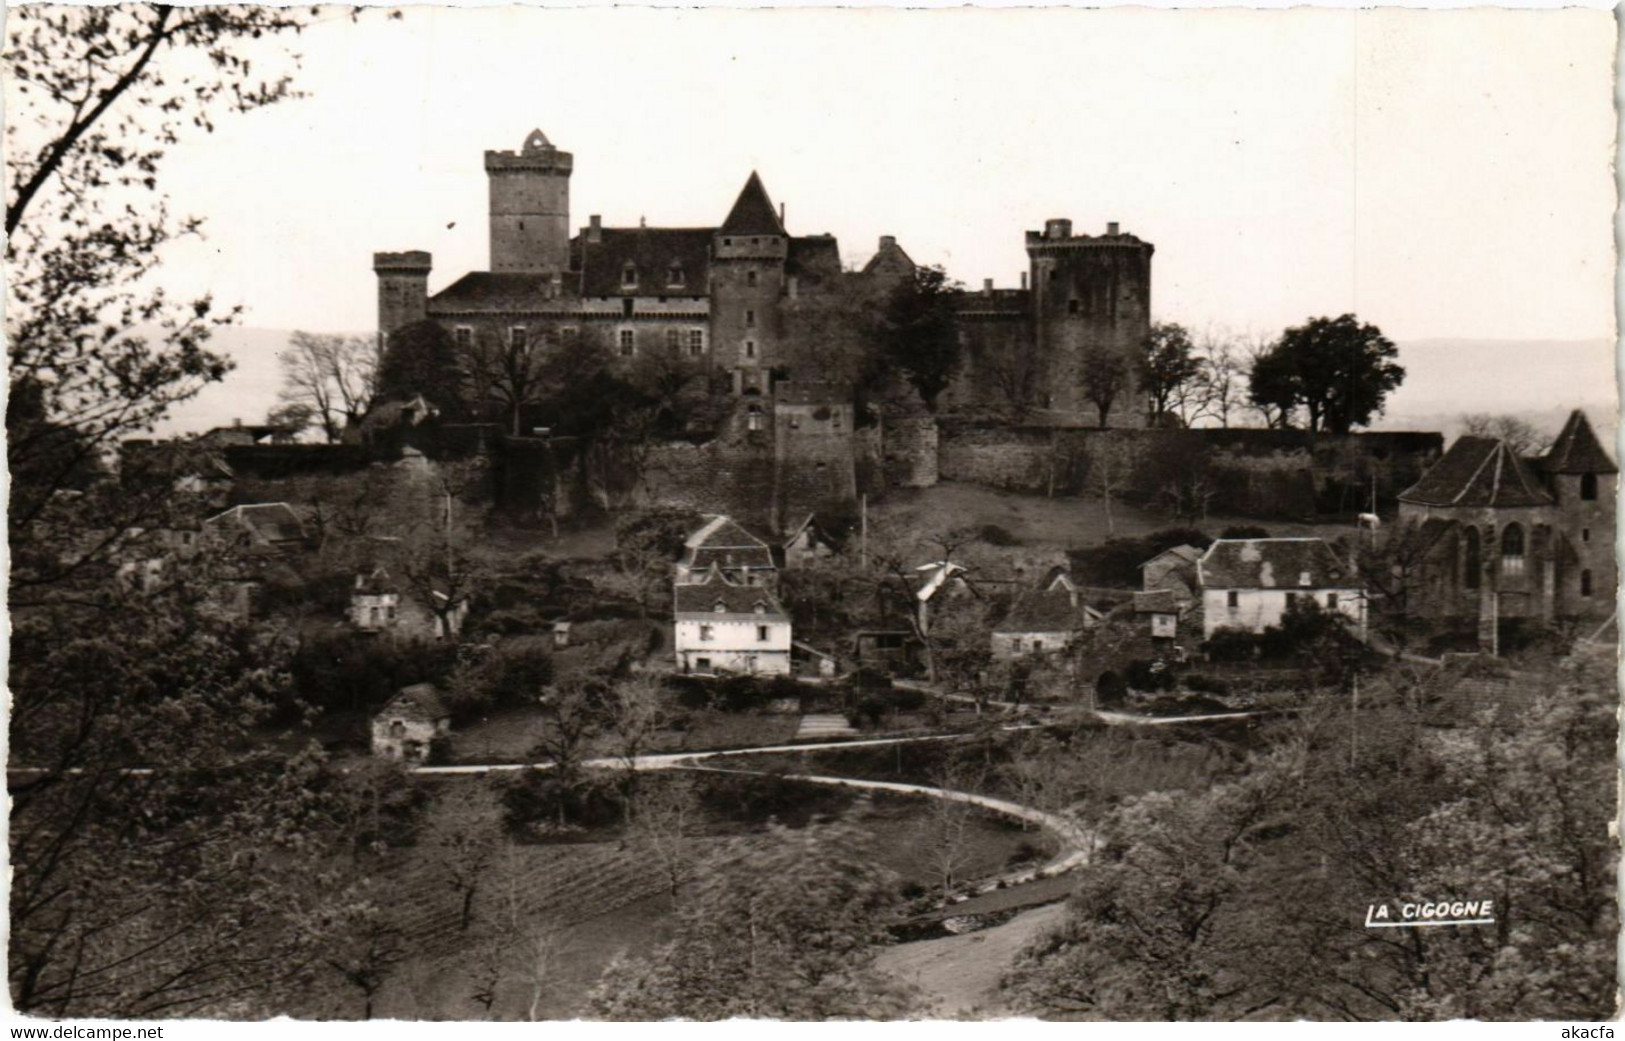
(530, 207)
(748, 255)
(1088, 292)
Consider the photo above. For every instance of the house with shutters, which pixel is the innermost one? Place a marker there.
(726, 626)
(1247, 584)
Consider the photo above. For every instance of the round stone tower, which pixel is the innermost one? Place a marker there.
(1089, 292)
(530, 207)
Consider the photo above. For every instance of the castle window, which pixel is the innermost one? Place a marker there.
(1015, 644)
(674, 275)
(674, 339)
(516, 337)
(1585, 534)
(1472, 560)
(1072, 306)
(750, 348)
(1585, 583)
(727, 242)
(750, 278)
(628, 342)
(629, 276)
(463, 336)
(696, 342)
(1588, 487)
(750, 318)
(753, 418)
(1512, 550)
(626, 307)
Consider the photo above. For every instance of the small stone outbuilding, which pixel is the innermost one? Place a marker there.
(407, 724)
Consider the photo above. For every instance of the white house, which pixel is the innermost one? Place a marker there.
(379, 604)
(743, 558)
(409, 722)
(1247, 583)
(726, 627)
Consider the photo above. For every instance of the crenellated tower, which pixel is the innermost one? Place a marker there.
(403, 289)
(530, 207)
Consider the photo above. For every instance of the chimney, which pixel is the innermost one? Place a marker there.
(1024, 280)
(987, 286)
(1111, 227)
(888, 242)
(1057, 228)
(781, 211)
(595, 228)
(236, 422)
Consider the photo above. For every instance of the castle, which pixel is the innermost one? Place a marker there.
(746, 297)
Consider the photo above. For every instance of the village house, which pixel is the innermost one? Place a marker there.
(1158, 611)
(271, 527)
(380, 603)
(1247, 583)
(724, 626)
(409, 723)
(1043, 621)
(742, 558)
(1173, 570)
(807, 542)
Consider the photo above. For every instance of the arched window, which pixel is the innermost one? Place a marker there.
(1472, 560)
(1588, 487)
(1512, 550)
(1585, 583)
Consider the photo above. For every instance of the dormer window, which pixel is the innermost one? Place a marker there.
(1303, 578)
(719, 607)
(674, 275)
(760, 608)
(629, 276)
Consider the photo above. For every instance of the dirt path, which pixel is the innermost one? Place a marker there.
(960, 974)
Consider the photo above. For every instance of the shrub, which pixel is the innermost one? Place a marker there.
(1206, 684)
(757, 799)
(1231, 645)
(1146, 675)
(345, 671)
(1244, 531)
(440, 750)
(535, 804)
(513, 673)
(998, 535)
(868, 710)
(1110, 688)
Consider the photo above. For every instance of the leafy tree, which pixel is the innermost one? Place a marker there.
(293, 418)
(1273, 387)
(1338, 370)
(917, 333)
(1103, 376)
(647, 544)
(332, 377)
(783, 927)
(1167, 364)
(505, 371)
(421, 359)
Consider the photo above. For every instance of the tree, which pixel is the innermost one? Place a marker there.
(506, 370)
(637, 708)
(436, 555)
(1167, 364)
(333, 377)
(574, 709)
(663, 822)
(464, 841)
(647, 544)
(357, 939)
(1103, 376)
(1521, 436)
(1339, 370)
(1272, 385)
(1214, 393)
(421, 359)
(782, 927)
(291, 419)
(917, 333)
(1113, 460)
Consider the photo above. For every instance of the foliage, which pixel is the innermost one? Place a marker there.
(1167, 363)
(540, 805)
(785, 928)
(917, 334)
(333, 377)
(997, 535)
(421, 359)
(1116, 562)
(1103, 376)
(1144, 674)
(510, 674)
(1110, 689)
(1244, 531)
(349, 672)
(1522, 436)
(1337, 370)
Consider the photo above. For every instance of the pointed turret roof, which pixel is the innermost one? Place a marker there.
(753, 212)
(1477, 471)
(1577, 450)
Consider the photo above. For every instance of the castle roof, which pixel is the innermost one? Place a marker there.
(753, 212)
(598, 267)
(493, 291)
(1273, 564)
(713, 596)
(1577, 450)
(1477, 471)
(815, 255)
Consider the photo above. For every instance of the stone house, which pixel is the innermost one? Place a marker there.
(379, 603)
(1506, 540)
(723, 626)
(1158, 610)
(1173, 570)
(409, 722)
(269, 527)
(1247, 583)
(1042, 621)
(807, 542)
(723, 544)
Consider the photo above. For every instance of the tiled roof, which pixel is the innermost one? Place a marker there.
(598, 267)
(704, 598)
(376, 582)
(419, 701)
(1187, 554)
(1158, 601)
(1273, 564)
(495, 292)
(1477, 471)
(722, 541)
(1042, 611)
(273, 521)
(815, 255)
(1577, 450)
(753, 212)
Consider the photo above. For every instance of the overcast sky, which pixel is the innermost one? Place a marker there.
(1444, 174)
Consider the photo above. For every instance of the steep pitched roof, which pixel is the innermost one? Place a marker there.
(722, 541)
(495, 292)
(653, 252)
(817, 256)
(714, 596)
(275, 522)
(1477, 471)
(753, 212)
(1042, 611)
(1577, 450)
(419, 701)
(1273, 564)
(1156, 601)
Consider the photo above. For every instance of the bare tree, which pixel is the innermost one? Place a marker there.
(334, 376)
(663, 824)
(637, 709)
(1014, 374)
(1103, 375)
(1112, 461)
(464, 840)
(1523, 437)
(1218, 389)
(507, 369)
(952, 820)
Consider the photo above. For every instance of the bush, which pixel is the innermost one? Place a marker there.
(346, 671)
(757, 799)
(904, 699)
(1206, 684)
(1150, 676)
(1244, 531)
(535, 804)
(440, 750)
(867, 710)
(510, 674)
(997, 535)
(1110, 688)
(1231, 645)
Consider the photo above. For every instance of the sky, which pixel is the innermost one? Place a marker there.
(1442, 174)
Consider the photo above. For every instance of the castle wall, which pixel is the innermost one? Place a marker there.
(815, 459)
(910, 452)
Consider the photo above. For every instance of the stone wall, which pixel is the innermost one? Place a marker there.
(909, 452)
